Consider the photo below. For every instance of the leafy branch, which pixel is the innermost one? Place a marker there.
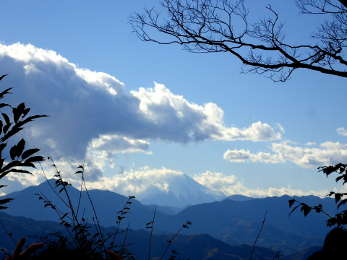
(15, 158)
(340, 218)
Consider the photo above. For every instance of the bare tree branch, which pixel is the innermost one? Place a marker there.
(209, 26)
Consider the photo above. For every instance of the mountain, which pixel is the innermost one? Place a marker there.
(238, 197)
(165, 209)
(237, 222)
(13, 228)
(194, 247)
(107, 205)
(172, 189)
(233, 222)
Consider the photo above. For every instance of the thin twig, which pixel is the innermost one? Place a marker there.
(151, 235)
(257, 237)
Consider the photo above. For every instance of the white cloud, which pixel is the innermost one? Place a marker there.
(87, 108)
(242, 155)
(257, 131)
(342, 131)
(136, 181)
(118, 144)
(19, 181)
(161, 106)
(101, 150)
(230, 185)
(216, 181)
(309, 156)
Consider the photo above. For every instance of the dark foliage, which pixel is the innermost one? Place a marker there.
(340, 218)
(15, 157)
(334, 246)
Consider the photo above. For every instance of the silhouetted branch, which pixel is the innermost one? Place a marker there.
(257, 237)
(211, 26)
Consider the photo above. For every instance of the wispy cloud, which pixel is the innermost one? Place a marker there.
(242, 155)
(228, 184)
(342, 131)
(310, 155)
(93, 111)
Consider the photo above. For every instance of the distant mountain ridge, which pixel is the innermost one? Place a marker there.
(194, 247)
(238, 197)
(107, 204)
(234, 222)
(239, 221)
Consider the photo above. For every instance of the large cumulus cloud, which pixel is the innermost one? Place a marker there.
(87, 109)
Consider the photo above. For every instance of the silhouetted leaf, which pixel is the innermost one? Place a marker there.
(339, 178)
(31, 118)
(4, 201)
(5, 92)
(26, 111)
(28, 164)
(2, 146)
(305, 209)
(4, 105)
(29, 152)
(10, 165)
(331, 222)
(12, 132)
(291, 202)
(318, 208)
(341, 203)
(185, 226)
(331, 193)
(7, 121)
(34, 159)
(16, 114)
(20, 147)
(20, 171)
(338, 197)
(13, 152)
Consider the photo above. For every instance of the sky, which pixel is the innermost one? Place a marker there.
(130, 108)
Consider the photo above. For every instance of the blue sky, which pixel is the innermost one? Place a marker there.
(97, 36)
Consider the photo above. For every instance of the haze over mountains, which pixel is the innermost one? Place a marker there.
(234, 220)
